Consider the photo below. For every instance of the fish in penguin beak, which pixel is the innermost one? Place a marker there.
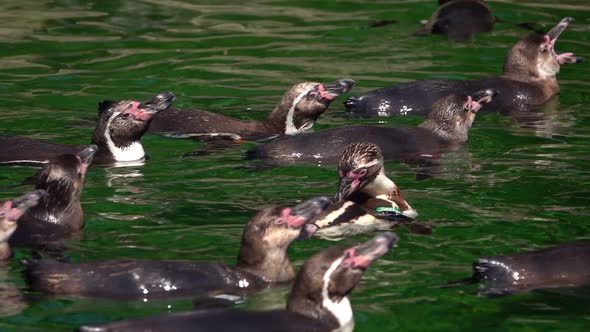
(551, 38)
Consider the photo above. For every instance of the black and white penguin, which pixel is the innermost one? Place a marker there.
(296, 112)
(367, 199)
(318, 301)
(118, 135)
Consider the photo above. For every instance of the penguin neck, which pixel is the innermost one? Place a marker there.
(271, 265)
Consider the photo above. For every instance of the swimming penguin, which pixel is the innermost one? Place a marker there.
(59, 214)
(10, 212)
(117, 134)
(296, 112)
(561, 266)
(367, 200)
(446, 128)
(262, 261)
(528, 81)
(318, 301)
(459, 19)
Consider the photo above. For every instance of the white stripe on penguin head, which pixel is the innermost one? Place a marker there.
(341, 310)
(290, 128)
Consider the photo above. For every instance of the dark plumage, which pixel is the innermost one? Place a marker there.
(565, 265)
(459, 19)
(262, 261)
(445, 129)
(59, 214)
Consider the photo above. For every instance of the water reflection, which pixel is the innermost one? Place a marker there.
(550, 120)
(12, 301)
(454, 165)
(122, 177)
(21, 19)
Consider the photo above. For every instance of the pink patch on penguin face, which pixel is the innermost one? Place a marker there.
(291, 220)
(138, 113)
(323, 93)
(356, 176)
(11, 214)
(5, 208)
(83, 166)
(355, 261)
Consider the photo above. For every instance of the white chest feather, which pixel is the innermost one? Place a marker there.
(130, 153)
(341, 310)
(290, 128)
(382, 185)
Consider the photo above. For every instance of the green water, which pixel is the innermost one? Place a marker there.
(515, 187)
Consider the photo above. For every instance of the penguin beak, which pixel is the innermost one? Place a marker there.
(28, 200)
(160, 102)
(485, 96)
(87, 154)
(334, 89)
(22, 204)
(551, 38)
(475, 102)
(345, 188)
(306, 211)
(363, 255)
(554, 33)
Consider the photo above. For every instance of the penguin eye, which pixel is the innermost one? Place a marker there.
(125, 115)
(312, 95)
